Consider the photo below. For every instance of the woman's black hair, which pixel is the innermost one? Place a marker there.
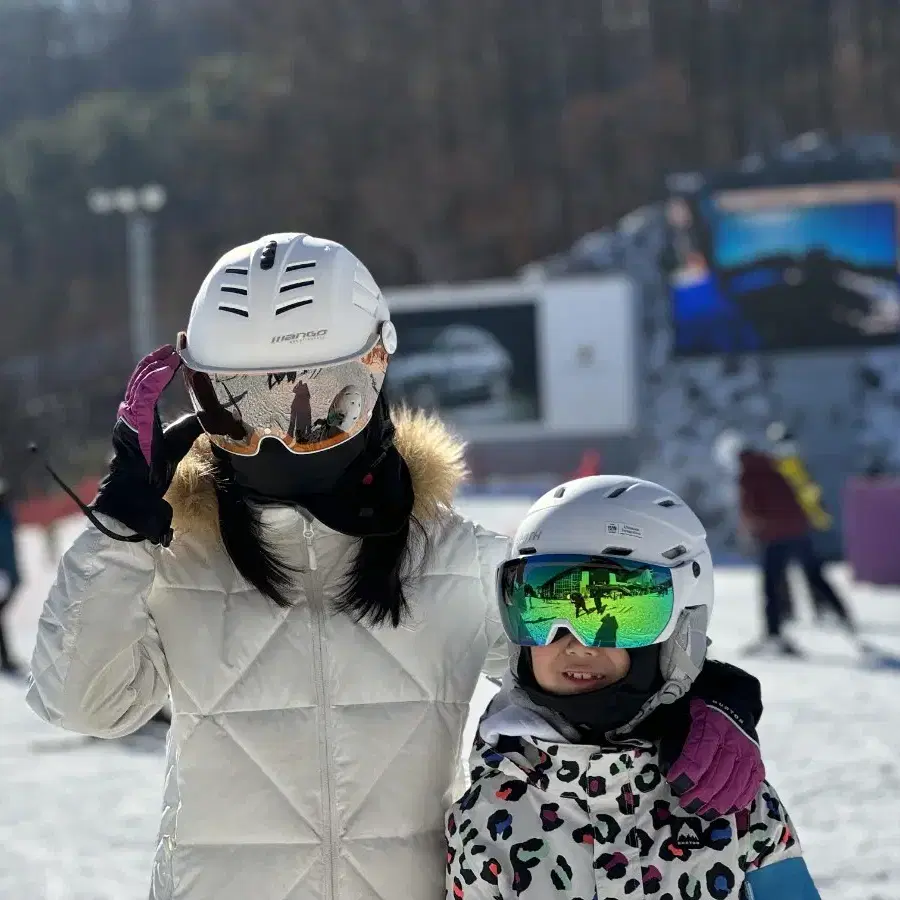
(375, 590)
(245, 541)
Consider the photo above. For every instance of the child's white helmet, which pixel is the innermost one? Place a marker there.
(621, 516)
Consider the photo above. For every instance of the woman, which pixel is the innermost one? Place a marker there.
(299, 582)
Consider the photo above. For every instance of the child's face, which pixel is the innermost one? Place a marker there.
(568, 667)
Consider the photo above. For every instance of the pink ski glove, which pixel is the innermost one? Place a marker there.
(145, 455)
(138, 410)
(720, 769)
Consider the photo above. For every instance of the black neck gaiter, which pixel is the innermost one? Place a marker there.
(276, 474)
(594, 713)
(360, 488)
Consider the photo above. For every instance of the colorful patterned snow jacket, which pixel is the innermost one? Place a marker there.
(547, 819)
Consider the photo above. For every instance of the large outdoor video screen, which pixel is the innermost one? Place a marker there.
(782, 269)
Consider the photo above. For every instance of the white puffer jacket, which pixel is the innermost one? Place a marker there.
(309, 757)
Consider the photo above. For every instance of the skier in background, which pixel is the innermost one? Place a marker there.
(9, 575)
(772, 515)
(726, 453)
(809, 495)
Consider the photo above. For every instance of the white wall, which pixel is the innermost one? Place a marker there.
(586, 335)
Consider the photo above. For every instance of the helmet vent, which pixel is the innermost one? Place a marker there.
(667, 503)
(234, 289)
(294, 267)
(267, 259)
(617, 492)
(559, 492)
(294, 304)
(527, 551)
(616, 551)
(296, 284)
(675, 552)
(237, 310)
(237, 270)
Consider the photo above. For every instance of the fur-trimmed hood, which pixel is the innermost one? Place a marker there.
(434, 456)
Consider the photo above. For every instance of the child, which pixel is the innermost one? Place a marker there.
(569, 795)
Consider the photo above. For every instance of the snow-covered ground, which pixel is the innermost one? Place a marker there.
(78, 819)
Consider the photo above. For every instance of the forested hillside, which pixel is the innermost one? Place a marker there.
(440, 139)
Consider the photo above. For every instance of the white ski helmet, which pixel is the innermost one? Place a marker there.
(621, 516)
(283, 302)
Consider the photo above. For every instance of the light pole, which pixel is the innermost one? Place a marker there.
(137, 205)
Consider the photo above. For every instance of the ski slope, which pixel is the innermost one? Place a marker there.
(78, 819)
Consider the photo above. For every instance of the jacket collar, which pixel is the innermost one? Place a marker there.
(434, 457)
(512, 714)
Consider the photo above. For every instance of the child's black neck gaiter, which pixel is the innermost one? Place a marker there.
(594, 713)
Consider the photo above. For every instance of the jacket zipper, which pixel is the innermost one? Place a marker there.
(317, 602)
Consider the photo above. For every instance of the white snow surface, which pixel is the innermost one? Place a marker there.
(78, 818)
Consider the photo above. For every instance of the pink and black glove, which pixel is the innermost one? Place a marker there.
(145, 455)
(713, 762)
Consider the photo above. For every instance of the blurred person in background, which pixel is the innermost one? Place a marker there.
(792, 468)
(726, 453)
(772, 515)
(9, 575)
(318, 610)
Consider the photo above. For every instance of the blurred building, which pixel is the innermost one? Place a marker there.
(805, 329)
